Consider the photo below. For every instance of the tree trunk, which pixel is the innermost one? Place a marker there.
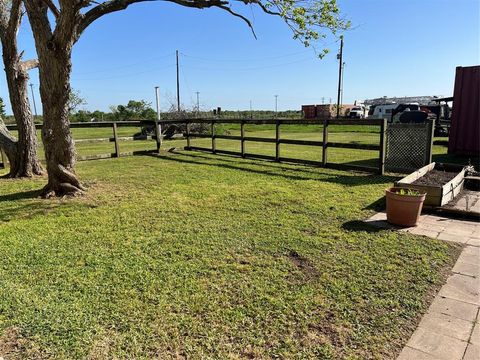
(24, 160)
(9, 145)
(54, 71)
(25, 163)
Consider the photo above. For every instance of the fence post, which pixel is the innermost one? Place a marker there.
(383, 146)
(242, 138)
(115, 138)
(187, 131)
(430, 141)
(325, 142)
(214, 147)
(277, 140)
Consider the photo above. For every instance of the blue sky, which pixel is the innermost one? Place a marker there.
(395, 48)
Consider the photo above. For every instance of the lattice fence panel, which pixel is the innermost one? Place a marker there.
(408, 147)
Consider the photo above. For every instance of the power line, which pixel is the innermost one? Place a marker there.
(246, 60)
(249, 68)
(126, 65)
(126, 75)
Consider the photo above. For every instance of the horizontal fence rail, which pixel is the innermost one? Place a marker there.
(325, 144)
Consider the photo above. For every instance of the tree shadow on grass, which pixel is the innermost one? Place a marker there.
(290, 171)
(31, 194)
(28, 204)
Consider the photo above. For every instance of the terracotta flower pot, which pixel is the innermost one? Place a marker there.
(403, 210)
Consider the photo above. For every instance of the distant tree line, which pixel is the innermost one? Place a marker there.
(143, 110)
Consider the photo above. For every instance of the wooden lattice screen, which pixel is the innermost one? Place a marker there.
(408, 147)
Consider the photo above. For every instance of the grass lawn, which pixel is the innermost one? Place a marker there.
(189, 255)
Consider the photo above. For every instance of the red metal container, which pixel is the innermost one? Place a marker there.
(464, 135)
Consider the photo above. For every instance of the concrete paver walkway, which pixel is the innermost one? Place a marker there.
(450, 330)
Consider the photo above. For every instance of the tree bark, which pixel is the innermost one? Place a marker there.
(22, 154)
(25, 162)
(54, 71)
(9, 145)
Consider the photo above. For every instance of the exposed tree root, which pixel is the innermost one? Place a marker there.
(62, 182)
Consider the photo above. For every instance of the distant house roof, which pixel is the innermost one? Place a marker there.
(446, 99)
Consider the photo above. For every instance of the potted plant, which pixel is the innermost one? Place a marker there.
(404, 206)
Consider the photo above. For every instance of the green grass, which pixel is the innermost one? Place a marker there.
(190, 255)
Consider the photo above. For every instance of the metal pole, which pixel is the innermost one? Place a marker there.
(33, 99)
(276, 104)
(178, 84)
(340, 65)
(158, 127)
(198, 101)
(341, 92)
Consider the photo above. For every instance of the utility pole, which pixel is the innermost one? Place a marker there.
(198, 101)
(276, 104)
(341, 93)
(33, 99)
(178, 84)
(158, 127)
(340, 66)
(251, 112)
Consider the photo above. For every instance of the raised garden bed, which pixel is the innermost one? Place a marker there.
(441, 182)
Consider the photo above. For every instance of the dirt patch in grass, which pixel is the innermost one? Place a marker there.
(435, 178)
(303, 264)
(14, 346)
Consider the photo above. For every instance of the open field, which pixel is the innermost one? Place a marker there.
(190, 255)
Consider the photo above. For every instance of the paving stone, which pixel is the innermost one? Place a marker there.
(420, 231)
(455, 308)
(379, 216)
(435, 219)
(437, 345)
(475, 338)
(472, 353)
(460, 229)
(469, 258)
(454, 238)
(425, 224)
(467, 269)
(463, 288)
(412, 354)
(447, 325)
(472, 250)
(473, 241)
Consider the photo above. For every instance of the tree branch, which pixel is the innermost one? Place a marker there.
(249, 23)
(52, 7)
(15, 19)
(116, 5)
(29, 64)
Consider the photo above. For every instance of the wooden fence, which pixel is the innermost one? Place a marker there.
(325, 144)
(114, 125)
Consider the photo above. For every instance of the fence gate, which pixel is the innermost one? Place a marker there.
(408, 146)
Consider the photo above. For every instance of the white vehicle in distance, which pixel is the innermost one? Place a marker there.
(391, 112)
(357, 112)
